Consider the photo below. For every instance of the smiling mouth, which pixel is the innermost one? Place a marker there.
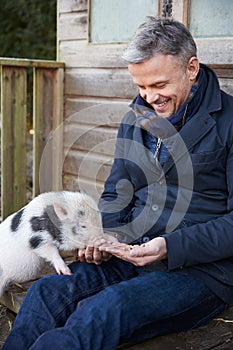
(161, 104)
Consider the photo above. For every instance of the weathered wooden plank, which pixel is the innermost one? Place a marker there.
(76, 183)
(72, 5)
(72, 26)
(21, 62)
(13, 142)
(215, 50)
(96, 111)
(89, 166)
(90, 138)
(81, 54)
(226, 85)
(56, 141)
(223, 70)
(212, 51)
(115, 83)
(47, 116)
(42, 121)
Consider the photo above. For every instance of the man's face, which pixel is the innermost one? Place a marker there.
(164, 82)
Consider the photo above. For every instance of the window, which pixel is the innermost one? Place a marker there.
(112, 21)
(211, 18)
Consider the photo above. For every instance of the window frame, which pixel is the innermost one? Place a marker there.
(210, 50)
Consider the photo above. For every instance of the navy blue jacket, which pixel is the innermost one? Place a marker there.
(188, 201)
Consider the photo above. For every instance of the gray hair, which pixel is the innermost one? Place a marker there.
(160, 36)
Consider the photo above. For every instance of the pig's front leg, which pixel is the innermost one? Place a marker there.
(50, 253)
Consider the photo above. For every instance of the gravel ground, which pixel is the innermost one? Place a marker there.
(6, 321)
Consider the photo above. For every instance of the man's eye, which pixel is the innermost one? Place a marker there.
(160, 86)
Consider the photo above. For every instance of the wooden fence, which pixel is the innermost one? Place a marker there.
(47, 91)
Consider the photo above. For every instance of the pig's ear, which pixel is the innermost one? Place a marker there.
(61, 210)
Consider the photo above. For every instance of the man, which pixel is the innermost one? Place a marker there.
(168, 201)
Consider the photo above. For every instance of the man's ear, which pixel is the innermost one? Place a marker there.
(193, 67)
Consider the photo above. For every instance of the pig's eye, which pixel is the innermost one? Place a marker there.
(83, 226)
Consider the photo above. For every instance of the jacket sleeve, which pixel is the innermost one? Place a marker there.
(205, 242)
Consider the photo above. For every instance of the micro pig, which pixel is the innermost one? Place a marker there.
(51, 222)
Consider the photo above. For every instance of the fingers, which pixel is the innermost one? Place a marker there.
(141, 255)
(106, 256)
(89, 254)
(119, 248)
(92, 255)
(113, 247)
(98, 256)
(135, 254)
(138, 251)
(81, 255)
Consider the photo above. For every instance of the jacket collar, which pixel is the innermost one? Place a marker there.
(201, 123)
(212, 98)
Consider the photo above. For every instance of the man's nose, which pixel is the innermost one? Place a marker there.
(151, 96)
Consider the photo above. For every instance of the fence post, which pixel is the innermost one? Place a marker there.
(13, 138)
(47, 124)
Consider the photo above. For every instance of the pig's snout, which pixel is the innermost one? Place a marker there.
(92, 234)
(96, 232)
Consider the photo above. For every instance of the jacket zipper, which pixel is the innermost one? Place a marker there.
(159, 141)
(158, 145)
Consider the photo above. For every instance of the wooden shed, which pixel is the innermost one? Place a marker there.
(79, 100)
(97, 90)
(91, 36)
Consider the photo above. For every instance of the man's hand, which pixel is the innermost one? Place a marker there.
(138, 255)
(92, 255)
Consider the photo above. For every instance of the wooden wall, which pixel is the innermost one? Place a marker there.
(98, 90)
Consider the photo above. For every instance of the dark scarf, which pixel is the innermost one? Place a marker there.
(192, 104)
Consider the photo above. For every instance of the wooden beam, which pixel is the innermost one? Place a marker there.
(19, 62)
(47, 124)
(13, 142)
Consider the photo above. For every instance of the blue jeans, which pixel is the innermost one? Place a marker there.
(99, 307)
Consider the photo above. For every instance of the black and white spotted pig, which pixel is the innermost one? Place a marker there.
(50, 222)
